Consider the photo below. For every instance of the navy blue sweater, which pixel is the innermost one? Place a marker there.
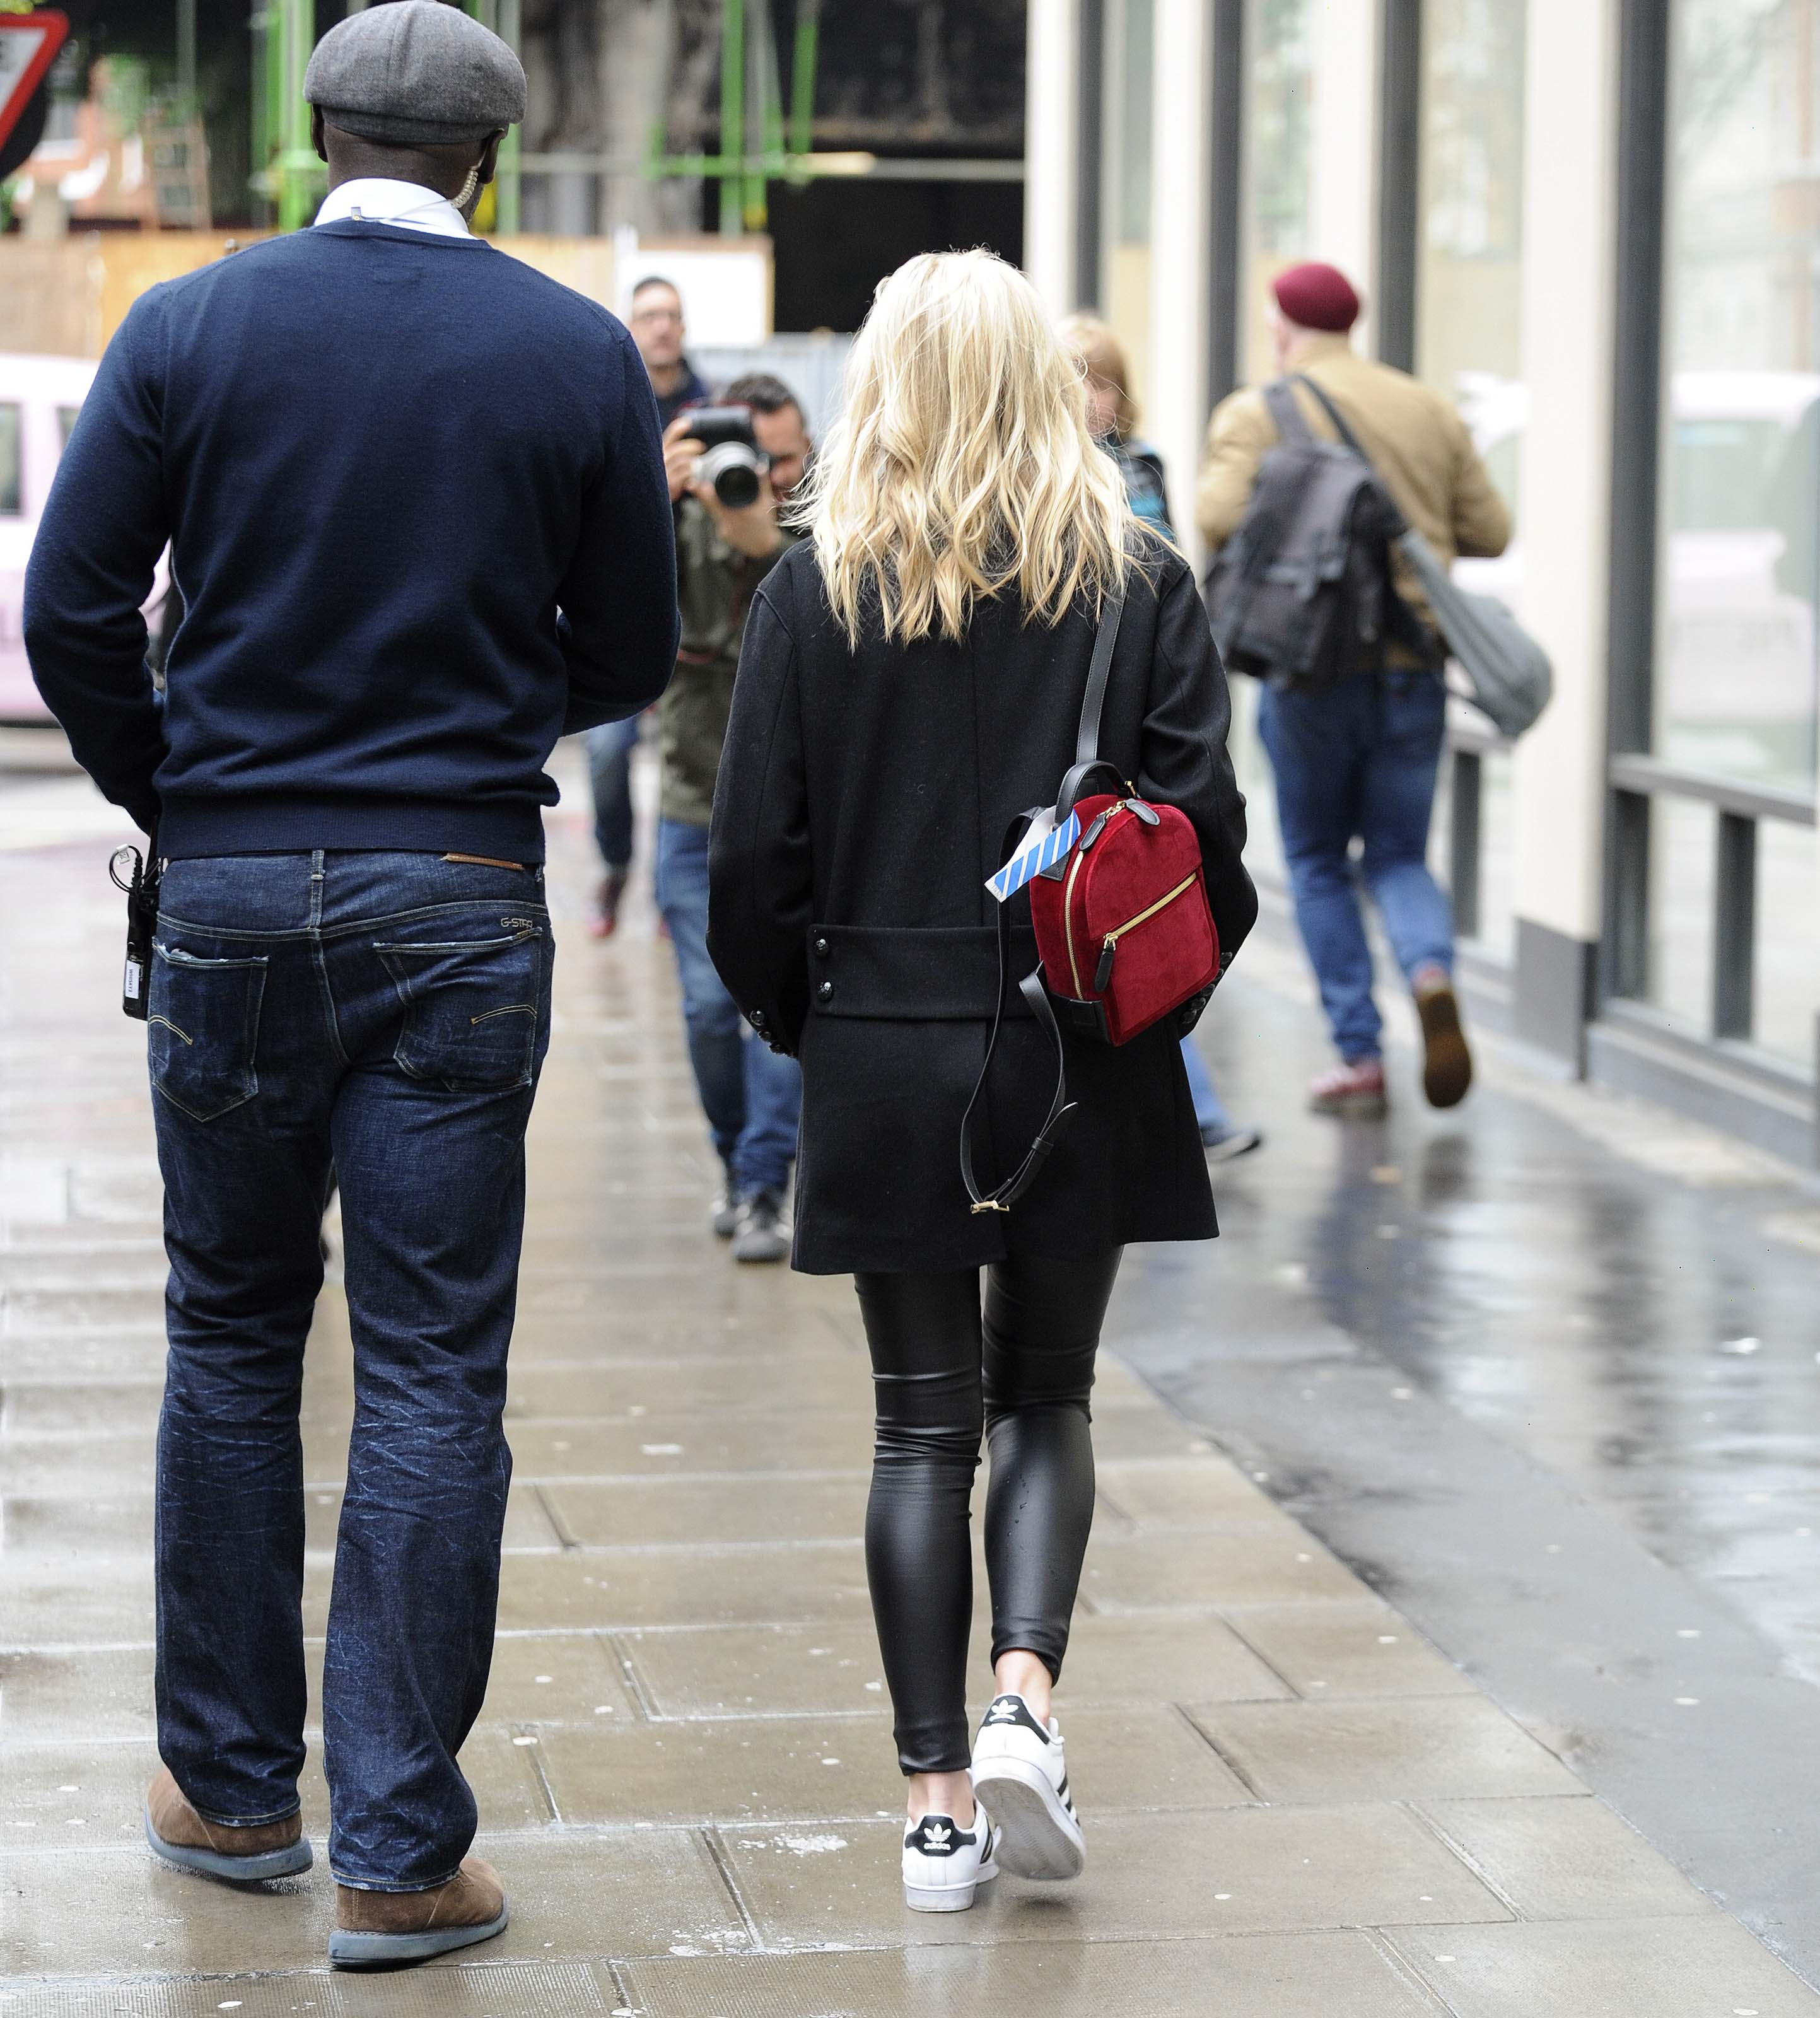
(415, 500)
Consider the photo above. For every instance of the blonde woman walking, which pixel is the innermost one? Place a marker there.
(911, 681)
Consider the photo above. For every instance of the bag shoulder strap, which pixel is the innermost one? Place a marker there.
(1033, 988)
(1291, 426)
(1061, 1107)
(1334, 414)
(1099, 672)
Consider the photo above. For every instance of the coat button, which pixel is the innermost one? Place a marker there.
(824, 990)
(758, 1019)
(821, 948)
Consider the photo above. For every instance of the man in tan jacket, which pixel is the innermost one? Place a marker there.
(1357, 759)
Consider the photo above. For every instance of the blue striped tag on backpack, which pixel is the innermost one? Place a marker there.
(1043, 846)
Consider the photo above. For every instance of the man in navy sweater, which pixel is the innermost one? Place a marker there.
(418, 519)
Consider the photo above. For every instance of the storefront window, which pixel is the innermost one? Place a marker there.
(1279, 126)
(1277, 224)
(1125, 283)
(1737, 656)
(1735, 669)
(1468, 325)
(10, 471)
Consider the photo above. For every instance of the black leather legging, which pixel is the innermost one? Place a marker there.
(940, 1373)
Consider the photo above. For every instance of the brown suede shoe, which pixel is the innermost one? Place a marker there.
(1446, 1062)
(382, 1930)
(242, 1856)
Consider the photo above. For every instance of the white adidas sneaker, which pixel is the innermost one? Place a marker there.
(943, 1864)
(1018, 1767)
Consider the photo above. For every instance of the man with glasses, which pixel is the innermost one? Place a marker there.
(658, 329)
(657, 323)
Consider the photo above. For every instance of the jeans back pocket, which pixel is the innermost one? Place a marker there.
(473, 1007)
(202, 1033)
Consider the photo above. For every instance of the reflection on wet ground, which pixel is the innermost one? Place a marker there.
(1633, 1302)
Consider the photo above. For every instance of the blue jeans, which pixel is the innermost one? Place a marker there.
(1357, 760)
(609, 771)
(1209, 1111)
(751, 1097)
(379, 1020)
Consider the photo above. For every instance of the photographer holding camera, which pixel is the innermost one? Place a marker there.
(730, 466)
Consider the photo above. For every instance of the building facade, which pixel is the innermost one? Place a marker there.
(1596, 223)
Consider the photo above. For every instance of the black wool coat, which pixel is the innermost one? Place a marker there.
(863, 799)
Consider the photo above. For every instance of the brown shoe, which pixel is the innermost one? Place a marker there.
(1446, 1064)
(383, 1929)
(242, 1856)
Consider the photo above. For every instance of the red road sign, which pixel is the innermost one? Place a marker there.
(28, 47)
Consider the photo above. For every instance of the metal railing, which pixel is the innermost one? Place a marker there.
(1637, 781)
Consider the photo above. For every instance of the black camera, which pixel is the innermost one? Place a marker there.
(734, 462)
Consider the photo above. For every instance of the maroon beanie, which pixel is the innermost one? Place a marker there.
(1317, 296)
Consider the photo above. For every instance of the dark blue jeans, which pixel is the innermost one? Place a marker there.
(1357, 760)
(752, 1097)
(610, 772)
(377, 1020)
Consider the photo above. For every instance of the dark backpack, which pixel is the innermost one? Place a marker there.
(1302, 590)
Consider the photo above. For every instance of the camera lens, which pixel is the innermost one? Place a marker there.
(733, 469)
(737, 486)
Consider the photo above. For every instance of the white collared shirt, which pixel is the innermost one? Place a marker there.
(381, 200)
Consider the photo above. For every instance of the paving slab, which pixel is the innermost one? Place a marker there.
(1565, 1858)
(523, 1990)
(1234, 1564)
(52, 1527)
(1681, 1968)
(1396, 1749)
(50, 1792)
(1347, 1647)
(670, 1446)
(90, 1696)
(835, 1379)
(1163, 1877)
(694, 1510)
(1306, 1976)
(684, 1586)
(772, 1671)
(1195, 1492)
(583, 1893)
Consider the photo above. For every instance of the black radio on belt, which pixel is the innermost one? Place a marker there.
(141, 886)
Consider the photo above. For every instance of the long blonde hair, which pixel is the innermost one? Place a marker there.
(961, 466)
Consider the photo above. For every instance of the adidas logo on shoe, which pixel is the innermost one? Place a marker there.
(944, 1864)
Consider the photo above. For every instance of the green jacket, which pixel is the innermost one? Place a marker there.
(715, 588)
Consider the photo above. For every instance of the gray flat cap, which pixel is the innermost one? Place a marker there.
(415, 73)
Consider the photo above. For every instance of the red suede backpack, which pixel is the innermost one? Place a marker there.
(1123, 931)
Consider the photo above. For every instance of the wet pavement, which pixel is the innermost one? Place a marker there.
(1477, 1375)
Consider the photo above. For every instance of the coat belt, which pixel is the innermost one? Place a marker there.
(941, 974)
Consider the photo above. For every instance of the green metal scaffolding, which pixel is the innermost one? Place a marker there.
(286, 172)
(758, 146)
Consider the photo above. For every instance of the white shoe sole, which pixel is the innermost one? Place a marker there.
(1037, 1837)
(946, 1899)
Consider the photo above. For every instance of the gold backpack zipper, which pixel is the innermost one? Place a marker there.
(1109, 945)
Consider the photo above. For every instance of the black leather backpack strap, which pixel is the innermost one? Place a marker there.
(1034, 992)
(1033, 988)
(1099, 672)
